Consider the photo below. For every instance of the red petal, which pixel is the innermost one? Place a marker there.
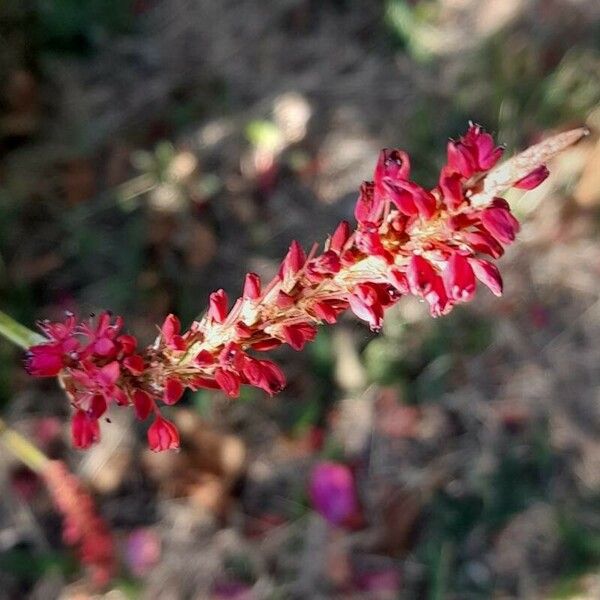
(533, 179)
(421, 275)
(173, 391)
(500, 223)
(459, 279)
(251, 287)
(340, 237)
(85, 430)
(218, 306)
(142, 404)
(293, 261)
(134, 364)
(163, 435)
(488, 274)
(228, 382)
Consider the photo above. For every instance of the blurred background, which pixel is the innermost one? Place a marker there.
(153, 151)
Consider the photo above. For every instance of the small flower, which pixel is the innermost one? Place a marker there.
(142, 403)
(218, 306)
(45, 360)
(251, 287)
(170, 332)
(162, 435)
(459, 279)
(533, 179)
(85, 430)
(173, 391)
(298, 334)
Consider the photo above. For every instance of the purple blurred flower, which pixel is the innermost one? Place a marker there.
(142, 551)
(333, 493)
(232, 590)
(384, 582)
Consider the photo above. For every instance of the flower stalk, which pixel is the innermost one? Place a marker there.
(18, 334)
(22, 449)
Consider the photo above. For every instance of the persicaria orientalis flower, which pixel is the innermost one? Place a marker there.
(433, 243)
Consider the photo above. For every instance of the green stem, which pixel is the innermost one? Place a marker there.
(22, 448)
(18, 334)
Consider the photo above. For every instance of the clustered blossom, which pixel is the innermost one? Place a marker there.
(82, 526)
(432, 243)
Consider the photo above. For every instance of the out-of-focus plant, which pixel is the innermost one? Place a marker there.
(83, 528)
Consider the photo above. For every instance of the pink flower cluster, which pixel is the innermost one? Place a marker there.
(433, 243)
(82, 526)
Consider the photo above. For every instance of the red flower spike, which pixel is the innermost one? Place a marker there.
(252, 287)
(173, 391)
(85, 430)
(218, 306)
(102, 336)
(243, 331)
(533, 179)
(409, 240)
(474, 152)
(163, 435)
(143, 404)
(60, 332)
(203, 383)
(402, 198)
(399, 280)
